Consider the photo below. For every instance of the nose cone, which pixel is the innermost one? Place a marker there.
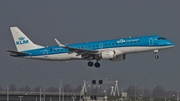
(170, 43)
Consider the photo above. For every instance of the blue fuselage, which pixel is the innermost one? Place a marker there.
(125, 45)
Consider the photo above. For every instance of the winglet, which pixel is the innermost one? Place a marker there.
(60, 44)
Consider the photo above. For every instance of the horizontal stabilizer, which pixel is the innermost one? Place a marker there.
(16, 53)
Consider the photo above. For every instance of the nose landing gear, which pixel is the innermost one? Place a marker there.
(156, 54)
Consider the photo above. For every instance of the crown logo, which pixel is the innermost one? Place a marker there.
(121, 41)
(21, 38)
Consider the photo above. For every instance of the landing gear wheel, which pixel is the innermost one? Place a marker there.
(97, 65)
(90, 64)
(156, 57)
(156, 54)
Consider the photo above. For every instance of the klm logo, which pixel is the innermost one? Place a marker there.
(121, 41)
(22, 41)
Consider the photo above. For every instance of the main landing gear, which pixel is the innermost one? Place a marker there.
(156, 54)
(97, 64)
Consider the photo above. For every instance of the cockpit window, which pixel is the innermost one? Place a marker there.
(161, 38)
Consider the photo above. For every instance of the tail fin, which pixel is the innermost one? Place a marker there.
(21, 41)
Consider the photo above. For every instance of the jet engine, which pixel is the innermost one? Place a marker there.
(108, 54)
(111, 54)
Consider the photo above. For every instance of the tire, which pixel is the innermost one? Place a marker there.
(156, 57)
(97, 65)
(90, 64)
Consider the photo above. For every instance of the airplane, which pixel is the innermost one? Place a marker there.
(113, 50)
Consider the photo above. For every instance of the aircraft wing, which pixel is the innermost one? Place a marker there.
(16, 53)
(78, 50)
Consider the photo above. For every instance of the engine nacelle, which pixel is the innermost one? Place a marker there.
(119, 58)
(115, 55)
(108, 54)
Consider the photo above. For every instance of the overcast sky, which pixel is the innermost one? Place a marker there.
(81, 21)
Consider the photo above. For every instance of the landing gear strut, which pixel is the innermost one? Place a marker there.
(156, 54)
(97, 64)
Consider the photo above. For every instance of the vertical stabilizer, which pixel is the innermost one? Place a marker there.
(21, 41)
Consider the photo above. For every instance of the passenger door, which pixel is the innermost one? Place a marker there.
(151, 41)
(45, 53)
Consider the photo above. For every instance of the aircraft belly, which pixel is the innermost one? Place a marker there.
(60, 57)
(53, 57)
(136, 49)
(75, 56)
(142, 49)
(68, 56)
